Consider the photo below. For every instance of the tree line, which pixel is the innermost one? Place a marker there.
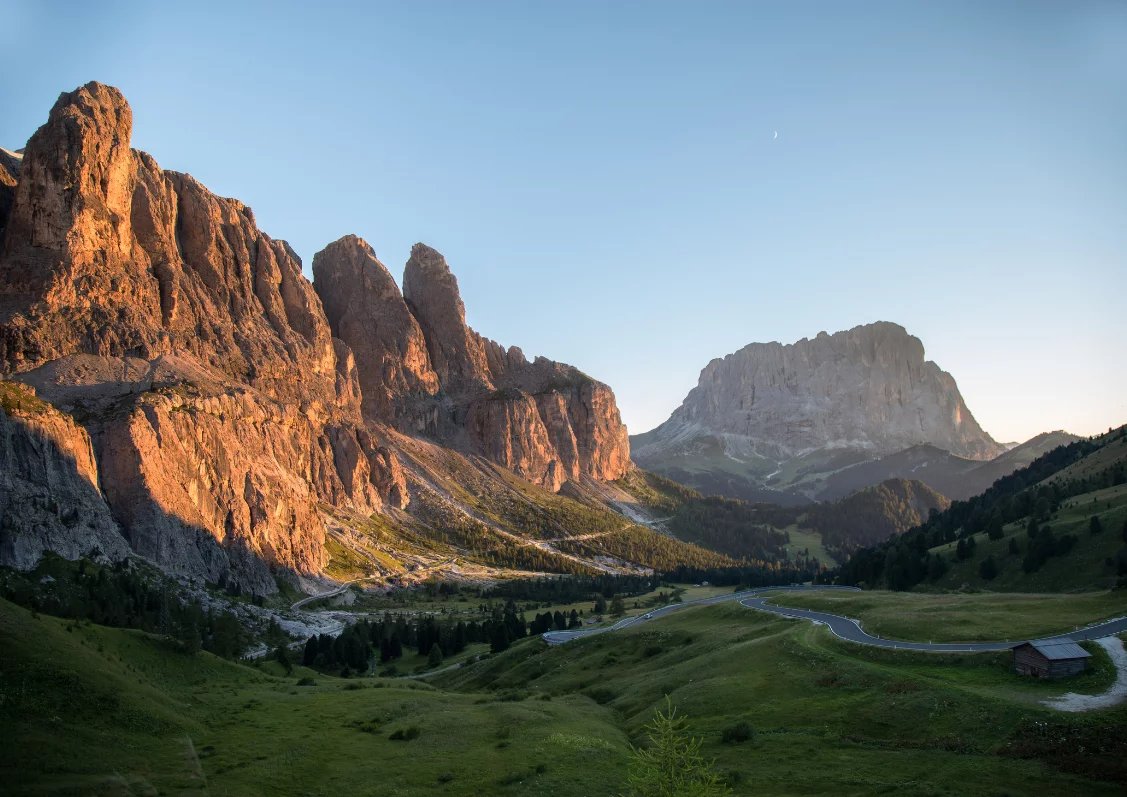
(359, 645)
(122, 596)
(570, 589)
(1030, 492)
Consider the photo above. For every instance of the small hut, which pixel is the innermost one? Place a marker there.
(1055, 658)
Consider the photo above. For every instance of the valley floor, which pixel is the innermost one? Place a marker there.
(97, 710)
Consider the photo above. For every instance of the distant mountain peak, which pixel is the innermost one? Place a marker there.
(868, 391)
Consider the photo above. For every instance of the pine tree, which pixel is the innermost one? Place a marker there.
(499, 638)
(435, 656)
(617, 607)
(1094, 525)
(936, 567)
(672, 765)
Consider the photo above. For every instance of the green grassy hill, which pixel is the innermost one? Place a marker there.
(830, 717)
(88, 710)
(1059, 524)
(873, 514)
(756, 532)
(825, 532)
(1090, 564)
(965, 617)
(93, 710)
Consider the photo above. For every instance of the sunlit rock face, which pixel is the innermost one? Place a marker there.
(366, 310)
(424, 370)
(207, 402)
(195, 353)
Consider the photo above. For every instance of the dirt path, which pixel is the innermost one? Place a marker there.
(1113, 696)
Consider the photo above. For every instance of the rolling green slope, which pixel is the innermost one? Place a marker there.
(1059, 524)
(829, 717)
(873, 514)
(825, 532)
(94, 710)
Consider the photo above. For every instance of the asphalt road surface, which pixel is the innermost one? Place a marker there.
(843, 627)
(559, 637)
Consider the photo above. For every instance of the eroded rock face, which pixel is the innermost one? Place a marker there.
(227, 485)
(50, 496)
(221, 397)
(123, 281)
(107, 254)
(366, 310)
(456, 352)
(785, 417)
(868, 387)
(9, 173)
(546, 421)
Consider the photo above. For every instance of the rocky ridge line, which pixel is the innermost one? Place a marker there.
(215, 388)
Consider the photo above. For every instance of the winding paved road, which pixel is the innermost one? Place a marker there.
(843, 627)
(559, 637)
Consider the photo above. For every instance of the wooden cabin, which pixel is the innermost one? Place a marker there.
(1056, 658)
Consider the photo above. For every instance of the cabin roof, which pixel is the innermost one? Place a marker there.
(1057, 649)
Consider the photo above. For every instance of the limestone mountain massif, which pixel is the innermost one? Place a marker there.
(423, 370)
(819, 419)
(201, 403)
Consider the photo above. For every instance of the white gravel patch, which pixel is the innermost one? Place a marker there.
(1113, 696)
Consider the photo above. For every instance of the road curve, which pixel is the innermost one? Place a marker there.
(845, 628)
(559, 637)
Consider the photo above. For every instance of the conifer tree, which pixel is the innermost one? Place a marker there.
(617, 607)
(672, 765)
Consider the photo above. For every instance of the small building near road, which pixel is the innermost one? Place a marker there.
(1055, 658)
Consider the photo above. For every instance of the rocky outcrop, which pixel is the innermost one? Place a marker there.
(424, 370)
(823, 404)
(220, 407)
(107, 254)
(9, 174)
(869, 387)
(366, 310)
(50, 496)
(192, 477)
(215, 401)
(456, 352)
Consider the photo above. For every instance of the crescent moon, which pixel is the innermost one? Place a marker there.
(776, 135)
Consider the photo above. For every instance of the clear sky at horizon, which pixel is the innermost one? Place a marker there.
(605, 180)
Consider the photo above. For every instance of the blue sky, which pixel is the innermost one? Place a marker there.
(605, 181)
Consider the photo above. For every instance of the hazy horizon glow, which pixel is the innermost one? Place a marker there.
(605, 182)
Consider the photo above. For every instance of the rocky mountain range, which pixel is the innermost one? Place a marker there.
(176, 387)
(821, 418)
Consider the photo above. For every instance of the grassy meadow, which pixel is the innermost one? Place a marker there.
(964, 617)
(108, 711)
(1084, 568)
